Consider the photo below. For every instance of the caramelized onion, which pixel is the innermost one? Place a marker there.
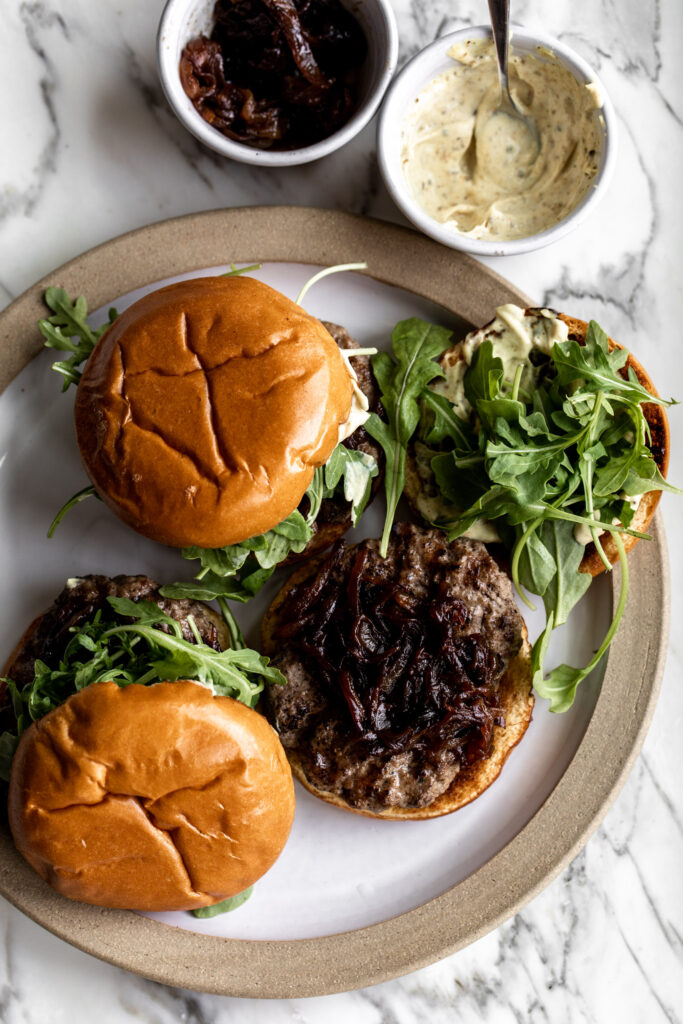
(401, 663)
(278, 73)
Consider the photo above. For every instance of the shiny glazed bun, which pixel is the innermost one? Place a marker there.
(204, 409)
(152, 798)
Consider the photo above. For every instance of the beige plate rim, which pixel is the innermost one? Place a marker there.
(602, 761)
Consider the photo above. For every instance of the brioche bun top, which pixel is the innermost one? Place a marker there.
(152, 798)
(204, 409)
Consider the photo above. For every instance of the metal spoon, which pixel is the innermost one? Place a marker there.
(499, 11)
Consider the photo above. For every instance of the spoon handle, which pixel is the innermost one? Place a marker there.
(499, 11)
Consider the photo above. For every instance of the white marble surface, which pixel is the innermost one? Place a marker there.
(89, 150)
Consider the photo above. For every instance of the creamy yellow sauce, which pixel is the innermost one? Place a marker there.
(359, 411)
(513, 333)
(482, 172)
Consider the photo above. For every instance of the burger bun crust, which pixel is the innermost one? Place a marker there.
(150, 798)
(204, 409)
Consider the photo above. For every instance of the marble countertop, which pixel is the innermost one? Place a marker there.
(90, 150)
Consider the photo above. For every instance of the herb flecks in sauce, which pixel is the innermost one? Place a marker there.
(468, 169)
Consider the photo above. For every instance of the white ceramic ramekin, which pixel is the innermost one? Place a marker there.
(426, 66)
(182, 20)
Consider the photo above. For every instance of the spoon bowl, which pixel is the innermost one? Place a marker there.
(524, 141)
(508, 147)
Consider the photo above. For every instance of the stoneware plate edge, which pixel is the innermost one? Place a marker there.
(606, 753)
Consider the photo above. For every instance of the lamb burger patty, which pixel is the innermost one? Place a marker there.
(408, 677)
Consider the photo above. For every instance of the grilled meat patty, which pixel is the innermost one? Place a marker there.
(393, 667)
(48, 635)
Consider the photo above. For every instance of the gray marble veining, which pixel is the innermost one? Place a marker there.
(89, 150)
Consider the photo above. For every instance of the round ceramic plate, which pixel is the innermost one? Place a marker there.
(352, 901)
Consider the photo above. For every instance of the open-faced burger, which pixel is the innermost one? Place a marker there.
(408, 677)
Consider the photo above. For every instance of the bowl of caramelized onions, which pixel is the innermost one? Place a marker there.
(276, 82)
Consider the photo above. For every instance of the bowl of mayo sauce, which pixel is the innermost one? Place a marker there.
(464, 174)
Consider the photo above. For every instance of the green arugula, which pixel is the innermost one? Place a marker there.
(559, 686)
(149, 649)
(75, 499)
(350, 472)
(564, 451)
(67, 330)
(238, 572)
(225, 906)
(416, 344)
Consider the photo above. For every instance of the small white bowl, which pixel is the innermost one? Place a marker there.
(421, 70)
(183, 20)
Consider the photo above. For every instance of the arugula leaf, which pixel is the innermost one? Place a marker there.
(559, 687)
(484, 377)
(416, 345)
(566, 450)
(446, 424)
(644, 477)
(225, 906)
(78, 497)
(535, 566)
(567, 586)
(206, 589)
(68, 331)
(315, 494)
(355, 471)
(596, 368)
(238, 572)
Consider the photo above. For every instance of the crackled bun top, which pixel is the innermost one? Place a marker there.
(204, 409)
(158, 797)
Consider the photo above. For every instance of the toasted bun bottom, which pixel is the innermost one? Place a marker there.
(658, 423)
(151, 798)
(204, 409)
